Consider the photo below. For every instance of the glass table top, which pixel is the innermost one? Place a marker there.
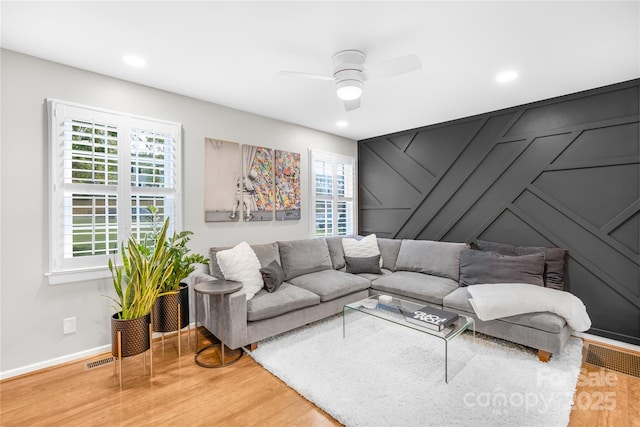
(397, 310)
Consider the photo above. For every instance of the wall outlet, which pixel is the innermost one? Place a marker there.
(69, 325)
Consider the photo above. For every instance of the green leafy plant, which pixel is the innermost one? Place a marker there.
(182, 261)
(139, 281)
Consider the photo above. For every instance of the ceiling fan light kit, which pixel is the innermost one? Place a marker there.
(348, 90)
(349, 73)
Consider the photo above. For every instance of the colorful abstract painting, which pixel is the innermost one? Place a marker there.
(223, 172)
(255, 200)
(287, 170)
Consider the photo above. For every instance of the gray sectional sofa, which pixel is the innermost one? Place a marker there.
(316, 285)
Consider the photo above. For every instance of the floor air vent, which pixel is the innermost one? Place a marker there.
(97, 363)
(616, 360)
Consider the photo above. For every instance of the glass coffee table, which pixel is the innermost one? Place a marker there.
(395, 311)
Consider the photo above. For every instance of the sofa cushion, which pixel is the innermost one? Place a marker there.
(360, 248)
(272, 276)
(459, 300)
(287, 298)
(298, 257)
(478, 267)
(267, 253)
(336, 252)
(389, 248)
(241, 264)
(370, 264)
(420, 286)
(544, 321)
(554, 259)
(370, 276)
(501, 248)
(331, 284)
(431, 257)
(214, 267)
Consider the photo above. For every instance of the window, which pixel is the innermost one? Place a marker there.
(106, 169)
(332, 192)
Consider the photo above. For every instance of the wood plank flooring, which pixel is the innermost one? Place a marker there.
(244, 394)
(606, 398)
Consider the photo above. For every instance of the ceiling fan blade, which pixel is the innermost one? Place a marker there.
(352, 104)
(305, 75)
(393, 67)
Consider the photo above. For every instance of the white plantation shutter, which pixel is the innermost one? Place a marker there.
(153, 176)
(344, 203)
(332, 191)
(106, 168)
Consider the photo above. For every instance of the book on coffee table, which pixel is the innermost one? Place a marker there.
(432, 318)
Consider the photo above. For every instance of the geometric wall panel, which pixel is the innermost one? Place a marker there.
(562, 172)
(380, 186)
(428, 149)
(627, 233)
(576, 112)
(597, 193)
(603, 143)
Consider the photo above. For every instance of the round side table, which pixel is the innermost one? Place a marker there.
(220, 288)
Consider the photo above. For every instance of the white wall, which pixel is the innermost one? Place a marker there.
(32, 310)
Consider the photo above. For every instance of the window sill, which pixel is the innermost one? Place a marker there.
(80, 275)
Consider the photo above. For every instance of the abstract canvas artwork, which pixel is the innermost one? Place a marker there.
(223, 173)
(287, 180)
(254, 198)
(250, 183)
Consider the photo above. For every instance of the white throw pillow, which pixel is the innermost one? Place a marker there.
(241, 264)
(364, 248)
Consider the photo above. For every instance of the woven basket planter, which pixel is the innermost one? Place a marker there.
(134, 333)
(165, 311)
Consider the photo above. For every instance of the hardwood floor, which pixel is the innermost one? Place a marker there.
(606, 398)
(180, 394)
(244, 394)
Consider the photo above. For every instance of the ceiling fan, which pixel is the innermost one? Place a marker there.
(349, 73)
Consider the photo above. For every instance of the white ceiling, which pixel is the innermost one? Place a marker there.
(229, 53)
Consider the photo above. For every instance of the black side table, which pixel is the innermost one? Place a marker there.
(221, 288)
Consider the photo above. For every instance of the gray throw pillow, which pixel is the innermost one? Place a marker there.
(358, 265)
(501, 248)
(479, 267)
(272, 276)
(555, 259)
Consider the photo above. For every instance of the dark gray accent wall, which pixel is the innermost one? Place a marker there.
(562, 172)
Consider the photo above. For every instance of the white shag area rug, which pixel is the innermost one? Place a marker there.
(383, 374)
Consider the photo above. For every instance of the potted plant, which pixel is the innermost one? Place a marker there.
(175, 294)
(137, 284)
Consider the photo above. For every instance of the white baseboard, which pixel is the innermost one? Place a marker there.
(63, 359)
(53, 362)
(608, 341)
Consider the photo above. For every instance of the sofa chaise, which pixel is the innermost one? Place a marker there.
(319, 276)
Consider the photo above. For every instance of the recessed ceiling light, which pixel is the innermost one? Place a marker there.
(134, 61)
(507, 76)
(342, 123)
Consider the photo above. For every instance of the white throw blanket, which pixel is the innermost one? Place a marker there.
(496, 300)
